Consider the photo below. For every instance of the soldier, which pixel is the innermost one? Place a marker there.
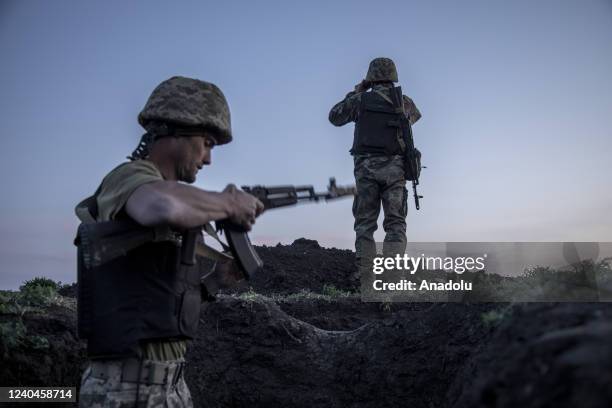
(147, 303)
(378, 156)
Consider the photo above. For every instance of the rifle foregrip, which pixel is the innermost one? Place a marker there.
(242, 250)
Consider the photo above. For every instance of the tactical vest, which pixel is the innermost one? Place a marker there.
(146, 294)
(377, 127)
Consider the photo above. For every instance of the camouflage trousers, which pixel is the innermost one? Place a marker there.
(113, 384)
(379, 179)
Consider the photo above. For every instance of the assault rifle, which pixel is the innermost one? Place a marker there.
(102, 242)
(272, 197)
(412, 155)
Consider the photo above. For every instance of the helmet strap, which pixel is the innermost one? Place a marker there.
(143, 148)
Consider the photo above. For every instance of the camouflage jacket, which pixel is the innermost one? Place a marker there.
(347, 110)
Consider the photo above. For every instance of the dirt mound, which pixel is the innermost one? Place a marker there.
(41, 349)
(543, 355)
(303, 265)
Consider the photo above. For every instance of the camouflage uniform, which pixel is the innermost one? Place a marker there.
(103, 386)
(378, 178)
(154, 377)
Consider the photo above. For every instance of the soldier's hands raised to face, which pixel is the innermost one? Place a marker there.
(244, 207)
(362, 86)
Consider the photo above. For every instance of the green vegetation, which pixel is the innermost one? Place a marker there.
(38, 292)
(251, 296)
(585, 281)
(329, 294)
(40, 282)
(14, 334)
(495, 317)
(34, 296)
(334, 293)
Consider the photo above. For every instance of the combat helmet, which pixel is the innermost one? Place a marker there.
(188, 102)
(381, 69)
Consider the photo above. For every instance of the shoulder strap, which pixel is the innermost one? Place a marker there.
(385, 97)
(210, 230)
(87, 210)
(397, 101)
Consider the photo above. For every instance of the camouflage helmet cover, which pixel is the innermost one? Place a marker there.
(382, 69)
(191, 103)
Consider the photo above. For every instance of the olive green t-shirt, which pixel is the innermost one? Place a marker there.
(114, 193)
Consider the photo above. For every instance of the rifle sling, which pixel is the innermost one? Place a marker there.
(400, 110)
(82, 211)
(210, 230)
(385, 97)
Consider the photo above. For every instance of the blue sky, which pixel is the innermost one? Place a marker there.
(516, 99)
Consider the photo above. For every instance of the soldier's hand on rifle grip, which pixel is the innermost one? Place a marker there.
(243, 207)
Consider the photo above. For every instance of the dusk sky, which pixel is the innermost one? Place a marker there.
(516, 99)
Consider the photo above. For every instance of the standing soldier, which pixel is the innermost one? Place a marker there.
(138, 311)
(378, 153)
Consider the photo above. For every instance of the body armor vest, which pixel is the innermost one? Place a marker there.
(146, 294)
(377, 127)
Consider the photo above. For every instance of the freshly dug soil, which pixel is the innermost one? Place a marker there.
(253, 353)
(303, 265)
(543, 355)
(276, 342)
